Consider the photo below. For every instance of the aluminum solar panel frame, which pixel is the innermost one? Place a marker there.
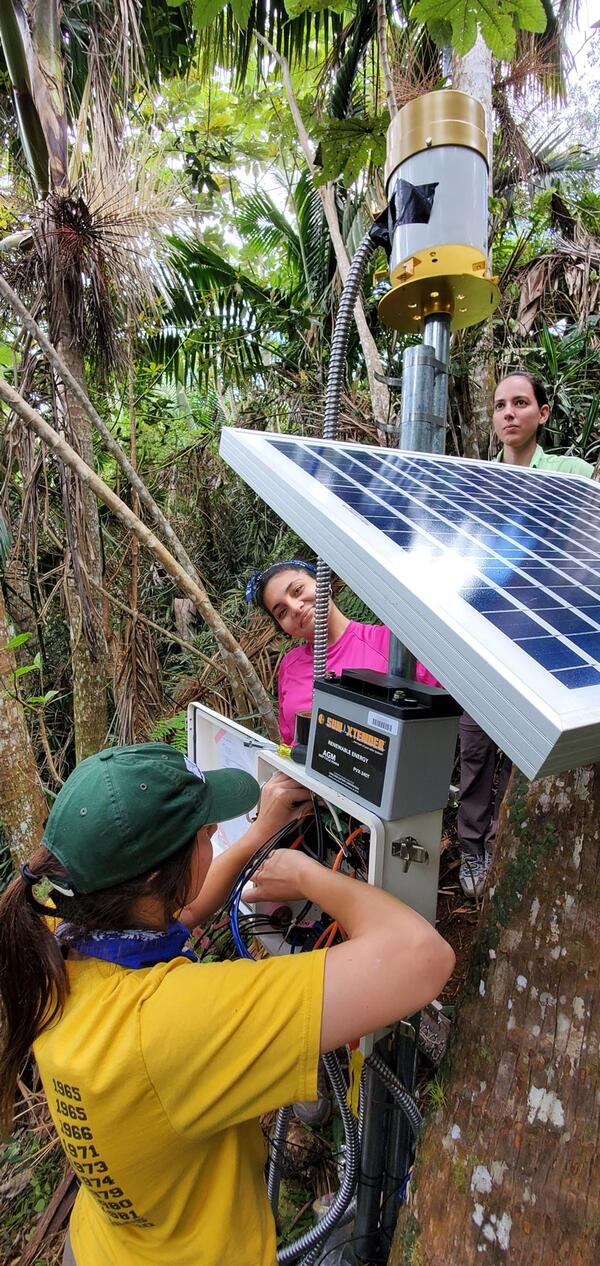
(489, 574)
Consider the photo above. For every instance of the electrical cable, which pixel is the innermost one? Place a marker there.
(319, 827)
(335, 383)
(278, 1141)
(308, 1241)
(398, 1092)
(334, 813)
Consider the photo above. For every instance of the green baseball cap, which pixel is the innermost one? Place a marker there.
(124, 809)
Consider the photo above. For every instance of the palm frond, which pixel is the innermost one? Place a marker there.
(314, 238)
(219, 323)
(224, 43)
(545, 58)
(261, 223)
(356, 40)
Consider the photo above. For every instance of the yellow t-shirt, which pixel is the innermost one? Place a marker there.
(155, 1078)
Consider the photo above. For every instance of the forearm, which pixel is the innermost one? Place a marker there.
(360, 908)
(392, 965)
(221, 877)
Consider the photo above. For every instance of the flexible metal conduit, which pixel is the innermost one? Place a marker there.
(321, 1253)
(282, 1122)
(335, 384)
(404, 1100)
(307, 1242)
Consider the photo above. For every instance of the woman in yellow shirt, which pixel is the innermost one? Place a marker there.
(156, 1068)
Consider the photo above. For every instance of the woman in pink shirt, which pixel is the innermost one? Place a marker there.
(286, 591)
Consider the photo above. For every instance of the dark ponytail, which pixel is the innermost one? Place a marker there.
(33, 979)
(33, 987)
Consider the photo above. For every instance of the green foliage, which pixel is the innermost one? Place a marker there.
(348, 146)
(205, 12)
(296, 7)
(29, 1174)
(23, 670)
(436, 1092)
(498, 20)
(171, 730)
(222, 324)
(292, 1198)
(224, 41)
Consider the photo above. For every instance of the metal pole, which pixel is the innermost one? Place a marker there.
(436, 334)
(423, 416)
(366, 1236)
(423, 420)
(400, 1144)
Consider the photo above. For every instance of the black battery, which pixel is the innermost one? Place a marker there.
(387, 742)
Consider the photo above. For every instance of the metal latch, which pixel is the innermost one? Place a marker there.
(409, 850)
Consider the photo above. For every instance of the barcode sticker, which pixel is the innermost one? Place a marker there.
(381, 722)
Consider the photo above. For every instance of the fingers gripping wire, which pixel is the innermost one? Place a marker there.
(232, 905)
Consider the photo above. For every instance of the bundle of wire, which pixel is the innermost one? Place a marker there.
(232, 905)
(321, 936)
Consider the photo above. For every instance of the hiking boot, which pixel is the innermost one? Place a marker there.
(472, 874)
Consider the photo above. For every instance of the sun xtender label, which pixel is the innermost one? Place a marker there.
(387, 743)
(351, 755)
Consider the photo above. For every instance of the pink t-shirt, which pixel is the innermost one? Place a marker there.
(360, 646)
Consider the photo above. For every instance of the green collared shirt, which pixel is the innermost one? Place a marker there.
(548, 461)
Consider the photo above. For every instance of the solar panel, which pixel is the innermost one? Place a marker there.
(490, 574)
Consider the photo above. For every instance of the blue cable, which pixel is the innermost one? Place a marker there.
(234, 914)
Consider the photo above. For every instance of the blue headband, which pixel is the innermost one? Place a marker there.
(258, 579)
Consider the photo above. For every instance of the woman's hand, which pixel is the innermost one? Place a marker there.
(282, 800)
(282, 877)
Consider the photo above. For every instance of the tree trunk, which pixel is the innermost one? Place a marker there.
(473, 74)
(67, 455)
(23, 809)
(86, 632)
(506, 1169)
(245, 685)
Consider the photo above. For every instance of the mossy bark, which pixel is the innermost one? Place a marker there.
(22, 802)
(507, 1170)
(86, 632)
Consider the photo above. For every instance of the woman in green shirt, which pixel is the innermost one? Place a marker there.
(521, 409)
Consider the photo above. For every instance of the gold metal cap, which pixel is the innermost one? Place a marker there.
(445, 117)
(446, 278)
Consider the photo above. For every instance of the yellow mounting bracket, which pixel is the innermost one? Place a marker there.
(450, 279)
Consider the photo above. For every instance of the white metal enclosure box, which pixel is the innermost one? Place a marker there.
(217, 743)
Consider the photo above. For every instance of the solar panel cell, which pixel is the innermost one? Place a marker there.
(589, 642)
(576, 678)
(515, 623)
(550, 653)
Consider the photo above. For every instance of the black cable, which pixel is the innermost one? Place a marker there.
(319, 827)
